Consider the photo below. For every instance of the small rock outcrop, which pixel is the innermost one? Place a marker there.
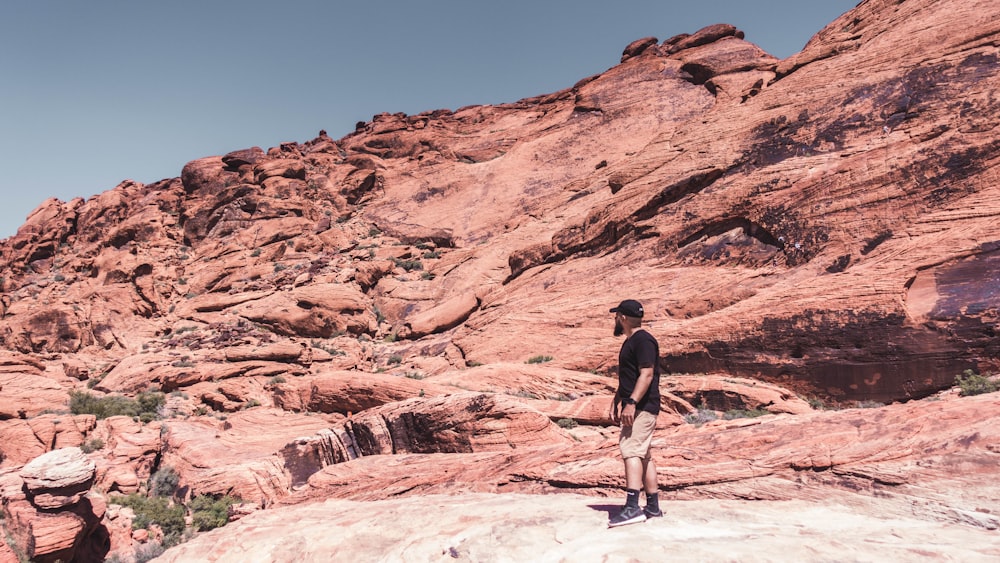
(53, 517)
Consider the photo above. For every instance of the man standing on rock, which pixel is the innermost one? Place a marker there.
(638, 396)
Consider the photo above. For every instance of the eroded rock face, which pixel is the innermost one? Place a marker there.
(346, 317)
(762, 204)
(49, 511)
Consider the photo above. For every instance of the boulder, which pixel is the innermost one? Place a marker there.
(317, 310)
(58, 478)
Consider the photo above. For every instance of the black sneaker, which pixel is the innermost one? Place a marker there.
(628, 515)
(652, 514)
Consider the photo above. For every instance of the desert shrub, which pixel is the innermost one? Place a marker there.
(92, 445)
(701, 416)
(208, 512)
(409, 265)
(566, 423)
(816, 403)
(744, 413)
(395, 359)
(868, 405)
(972, 383)
(539, 359)
(432, 254)
(146, 405)
(150, 401)
(164, 482)
(155, 510)
(276, 380)
(148, 551)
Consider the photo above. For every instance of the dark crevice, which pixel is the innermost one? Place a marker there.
(750, 229)
(675, 192)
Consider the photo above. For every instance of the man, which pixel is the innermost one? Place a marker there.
(638, 396)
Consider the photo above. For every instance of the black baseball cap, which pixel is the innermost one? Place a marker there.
(629, 308)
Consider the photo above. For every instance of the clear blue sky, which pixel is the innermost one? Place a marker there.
(94, 92)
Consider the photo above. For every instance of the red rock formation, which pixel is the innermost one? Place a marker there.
(49, 512)
(817, 228)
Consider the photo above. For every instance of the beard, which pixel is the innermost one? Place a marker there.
(619, 329)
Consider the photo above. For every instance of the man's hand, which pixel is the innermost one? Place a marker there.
(628, 415)
(614, 410)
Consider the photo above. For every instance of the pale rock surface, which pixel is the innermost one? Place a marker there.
(484, 527)
(58, 478)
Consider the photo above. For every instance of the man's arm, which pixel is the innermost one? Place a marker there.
(641, 386)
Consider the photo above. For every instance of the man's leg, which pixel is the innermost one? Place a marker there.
(652, 488)
(631, 512)
(635, 467)
(634, 444)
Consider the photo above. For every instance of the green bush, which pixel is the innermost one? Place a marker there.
(700, 417)
(208, 512)
(155, 510)
(409, 265)
(146, 405)
(744, 413)
(148, 551)
(92, 445)
(164, 482)
(539, 359)
(566, 423)
(972, 383)
(816, 403)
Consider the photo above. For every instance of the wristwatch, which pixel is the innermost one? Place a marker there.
(628, 401)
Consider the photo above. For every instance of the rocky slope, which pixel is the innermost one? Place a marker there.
(821, 228)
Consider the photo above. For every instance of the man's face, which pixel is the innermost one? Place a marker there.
(619, 329)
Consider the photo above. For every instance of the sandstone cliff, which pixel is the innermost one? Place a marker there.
(821, 228)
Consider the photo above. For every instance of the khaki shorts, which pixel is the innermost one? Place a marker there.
(634, 440)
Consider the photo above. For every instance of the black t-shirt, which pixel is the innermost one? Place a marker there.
(639, 351)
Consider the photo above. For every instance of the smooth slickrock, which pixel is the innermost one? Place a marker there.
(24, 440)
(568, 527)
(349, 392)
(26, 390)
(237, 456)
